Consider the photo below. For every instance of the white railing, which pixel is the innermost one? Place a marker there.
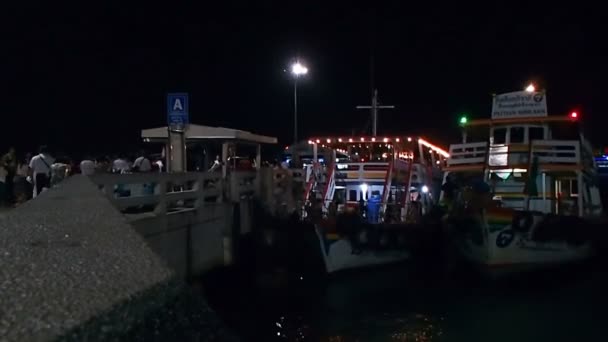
(345, 171)
(547, 151)
(170, 192)
(557, 151)
(471, 153)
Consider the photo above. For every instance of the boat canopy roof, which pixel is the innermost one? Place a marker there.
(525, 120)
(333, 142)
(200, 132)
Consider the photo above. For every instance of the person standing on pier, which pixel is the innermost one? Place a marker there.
(3, 195)
(121, 165)
(9, 161)
(142, 163)
(23, 190)
(40, 168)
(87, 166)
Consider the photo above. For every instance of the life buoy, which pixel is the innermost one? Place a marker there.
(522, 221)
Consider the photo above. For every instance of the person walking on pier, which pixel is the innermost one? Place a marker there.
(40, 168)
(87, 166)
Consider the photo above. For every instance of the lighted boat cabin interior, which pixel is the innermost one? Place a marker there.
(359, 168)
(375, 150)
(507, 152)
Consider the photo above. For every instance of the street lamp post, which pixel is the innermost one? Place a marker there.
(297, 70)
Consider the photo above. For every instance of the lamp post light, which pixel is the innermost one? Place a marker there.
(531, 88)
(297, 70)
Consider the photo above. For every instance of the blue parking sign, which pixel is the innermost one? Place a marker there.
(177, 109)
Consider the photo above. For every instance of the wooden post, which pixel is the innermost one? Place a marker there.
(200, 196)
(580, 193)
(544, 190)
(161, 207)
(258, 156)
(224, 159)
(235, 195)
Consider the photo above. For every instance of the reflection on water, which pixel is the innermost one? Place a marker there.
(412, 303)
(390, 327)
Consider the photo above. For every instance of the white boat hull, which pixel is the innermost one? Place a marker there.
(505, 251)
(339, 255)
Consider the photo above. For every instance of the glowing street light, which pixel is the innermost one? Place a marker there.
(530, 88)
(297, 70)
(463, 120)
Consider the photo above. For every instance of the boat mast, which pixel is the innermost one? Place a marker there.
(374, 111)
(374, 107)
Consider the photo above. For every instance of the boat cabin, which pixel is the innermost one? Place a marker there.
(351, 171)
(542, 163)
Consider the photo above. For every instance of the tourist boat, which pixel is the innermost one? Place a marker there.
(523, 194)
(364, 193)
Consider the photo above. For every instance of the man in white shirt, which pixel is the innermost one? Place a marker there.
(87, 166)
(142, 163)
(120, 165)
(40, 166)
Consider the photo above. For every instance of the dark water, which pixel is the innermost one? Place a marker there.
(414, 302)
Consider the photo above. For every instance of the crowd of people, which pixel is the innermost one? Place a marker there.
(23, 177)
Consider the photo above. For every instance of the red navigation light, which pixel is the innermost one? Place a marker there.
(574, 115)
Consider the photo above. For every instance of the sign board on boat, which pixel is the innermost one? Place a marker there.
(519, 104)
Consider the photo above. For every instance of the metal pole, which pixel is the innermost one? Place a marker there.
(295, 110)
(375, 113)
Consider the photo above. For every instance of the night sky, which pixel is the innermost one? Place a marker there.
(88, 77)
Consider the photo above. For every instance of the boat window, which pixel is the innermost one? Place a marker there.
(352, 195)
(536, 133)
(516, 135)
(500, 136)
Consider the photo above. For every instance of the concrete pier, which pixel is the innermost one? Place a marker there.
(73, 268)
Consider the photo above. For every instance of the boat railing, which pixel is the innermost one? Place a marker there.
(557, 151)
(516, 155)
(470, 153)
(388, 211)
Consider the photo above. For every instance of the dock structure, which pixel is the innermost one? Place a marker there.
(83, 255)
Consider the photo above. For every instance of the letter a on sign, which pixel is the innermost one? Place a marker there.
(177, 109)
(178, 105)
